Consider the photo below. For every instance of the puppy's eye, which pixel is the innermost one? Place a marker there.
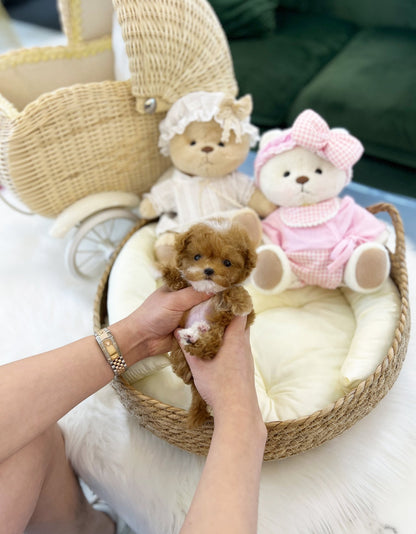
(221, 143)
(192, 143)
(197, 257)
(227, 263)
(318, 171)
(286, 174)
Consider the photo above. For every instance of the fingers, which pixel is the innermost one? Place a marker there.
(184, 299)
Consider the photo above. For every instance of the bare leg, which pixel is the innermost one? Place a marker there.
(40, 493)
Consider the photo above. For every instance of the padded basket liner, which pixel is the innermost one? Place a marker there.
(289, 437)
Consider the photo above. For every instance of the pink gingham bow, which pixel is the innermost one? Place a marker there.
(337, 146)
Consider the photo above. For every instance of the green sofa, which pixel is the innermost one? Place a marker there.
(354, 62)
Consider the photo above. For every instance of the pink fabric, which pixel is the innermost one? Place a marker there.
(311, 132)
(319, 244)
(312, 215)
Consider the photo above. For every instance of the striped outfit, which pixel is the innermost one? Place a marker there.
(184, 200)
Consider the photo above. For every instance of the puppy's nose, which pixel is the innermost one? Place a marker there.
(207, 149)
(302, 179)
(209, 271)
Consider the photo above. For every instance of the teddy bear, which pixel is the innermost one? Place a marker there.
(214, 256)
(207, 136)
(315, 237)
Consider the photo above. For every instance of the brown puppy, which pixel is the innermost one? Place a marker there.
(214, 256)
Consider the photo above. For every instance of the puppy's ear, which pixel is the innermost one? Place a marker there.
(250, 257)
(181, 243)
(246, 249)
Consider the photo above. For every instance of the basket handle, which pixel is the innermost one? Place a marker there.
(399, 253)
(174, 47)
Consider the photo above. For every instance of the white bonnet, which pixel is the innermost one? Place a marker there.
(202, 106)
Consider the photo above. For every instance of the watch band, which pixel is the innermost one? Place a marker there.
(109, 348)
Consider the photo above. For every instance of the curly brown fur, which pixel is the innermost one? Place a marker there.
(213, 257)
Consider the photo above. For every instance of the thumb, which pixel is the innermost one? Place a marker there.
(188, 298)
(237, 326)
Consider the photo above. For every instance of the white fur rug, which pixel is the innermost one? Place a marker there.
(360, 482)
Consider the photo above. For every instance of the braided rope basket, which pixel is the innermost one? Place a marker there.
(68, 129)
(285, 438)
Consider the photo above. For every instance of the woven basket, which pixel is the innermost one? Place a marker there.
(285, 438)
(67, 129)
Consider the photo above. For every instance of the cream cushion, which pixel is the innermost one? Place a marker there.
(310, 345)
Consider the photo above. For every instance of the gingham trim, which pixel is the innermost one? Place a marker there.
(308, 216)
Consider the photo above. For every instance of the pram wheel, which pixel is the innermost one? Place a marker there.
(96, 239)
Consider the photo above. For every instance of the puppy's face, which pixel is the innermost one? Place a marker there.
(215, 256)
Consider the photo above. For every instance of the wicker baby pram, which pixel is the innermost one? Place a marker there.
(289, 437)
(68, 129)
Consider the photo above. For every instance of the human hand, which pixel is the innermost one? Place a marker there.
(226, 382)
(148, 331)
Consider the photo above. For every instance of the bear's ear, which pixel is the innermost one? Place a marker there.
(250, 222)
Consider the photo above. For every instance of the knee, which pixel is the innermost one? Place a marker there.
(22, 477)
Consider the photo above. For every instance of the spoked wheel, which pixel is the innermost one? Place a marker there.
(96, 239)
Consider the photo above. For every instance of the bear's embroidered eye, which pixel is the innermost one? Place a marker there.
(286, 174)
(318, 171)
(221, 143)
(227, 263)
(192, 143)
(197, 257)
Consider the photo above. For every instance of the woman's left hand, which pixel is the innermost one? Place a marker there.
(148, 331)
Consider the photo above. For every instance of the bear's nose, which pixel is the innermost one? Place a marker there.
(207, 149)
(302, 179)
(209, 271)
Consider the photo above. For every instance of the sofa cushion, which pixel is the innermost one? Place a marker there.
(397, 13)
(370, 88)
(245, 18)
(276, 67)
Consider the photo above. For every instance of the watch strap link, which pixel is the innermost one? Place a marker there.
(111, 351)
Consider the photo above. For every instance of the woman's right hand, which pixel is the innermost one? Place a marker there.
(226, 382)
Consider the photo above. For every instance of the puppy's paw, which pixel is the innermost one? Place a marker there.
(173, 277)
(205, 347)
(189, 336)
(239, 301)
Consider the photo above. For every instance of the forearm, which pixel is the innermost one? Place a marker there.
(226, 500)
(36, 392)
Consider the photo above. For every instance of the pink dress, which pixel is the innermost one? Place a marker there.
(319, 239)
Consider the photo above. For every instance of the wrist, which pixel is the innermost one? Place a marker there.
(131, 341)
(245, 422)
